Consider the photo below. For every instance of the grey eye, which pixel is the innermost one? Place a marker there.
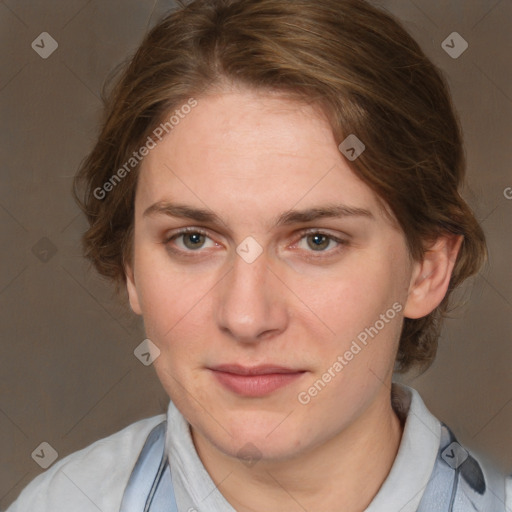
(193, 240)
(318, 242)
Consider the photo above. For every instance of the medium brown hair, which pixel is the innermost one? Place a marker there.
(353, 61)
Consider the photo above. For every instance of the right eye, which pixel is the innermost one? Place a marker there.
(189, 240)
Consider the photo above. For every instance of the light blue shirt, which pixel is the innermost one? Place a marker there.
(432, 472)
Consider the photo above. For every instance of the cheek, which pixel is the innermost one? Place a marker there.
(163, 292)
(358, 294)
(176, 307)
(362, 309)
(172, 310)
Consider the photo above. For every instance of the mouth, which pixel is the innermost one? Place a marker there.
(256, 381)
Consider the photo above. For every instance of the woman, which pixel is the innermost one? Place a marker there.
(277, 184)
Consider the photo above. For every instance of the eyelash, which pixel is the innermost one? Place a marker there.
(319, 254)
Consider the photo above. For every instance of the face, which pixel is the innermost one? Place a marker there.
(260, 263)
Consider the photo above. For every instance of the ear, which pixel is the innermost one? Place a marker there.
(132, 290)
(431, 277)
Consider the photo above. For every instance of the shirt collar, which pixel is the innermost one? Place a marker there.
(402, 490)
(406, 482)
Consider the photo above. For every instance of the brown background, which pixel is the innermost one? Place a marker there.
(68, 375)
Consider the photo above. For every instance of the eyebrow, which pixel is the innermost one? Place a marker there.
(286, 218)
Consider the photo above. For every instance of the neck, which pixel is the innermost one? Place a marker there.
(348, 468)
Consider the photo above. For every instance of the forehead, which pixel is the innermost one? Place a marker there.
(251, 152)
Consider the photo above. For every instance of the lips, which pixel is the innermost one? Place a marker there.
(255, 381)
(254, 370)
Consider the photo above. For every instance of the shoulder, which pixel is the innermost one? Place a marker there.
(90, 479)
(465, 478)
(453, 474)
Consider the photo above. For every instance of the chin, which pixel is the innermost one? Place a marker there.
(252, 449)
(264, 438)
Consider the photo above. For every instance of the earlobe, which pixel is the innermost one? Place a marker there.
(430, 277)
(132, 290)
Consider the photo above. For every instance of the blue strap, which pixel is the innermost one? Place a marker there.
(150, 486)
(452, 488)
(458, 482)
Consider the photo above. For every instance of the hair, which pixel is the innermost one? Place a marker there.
(354, 62)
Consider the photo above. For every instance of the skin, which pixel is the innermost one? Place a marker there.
(249, 157)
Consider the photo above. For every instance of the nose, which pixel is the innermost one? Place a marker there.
(250, 303)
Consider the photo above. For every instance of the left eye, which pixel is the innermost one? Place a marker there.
(319, 242)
